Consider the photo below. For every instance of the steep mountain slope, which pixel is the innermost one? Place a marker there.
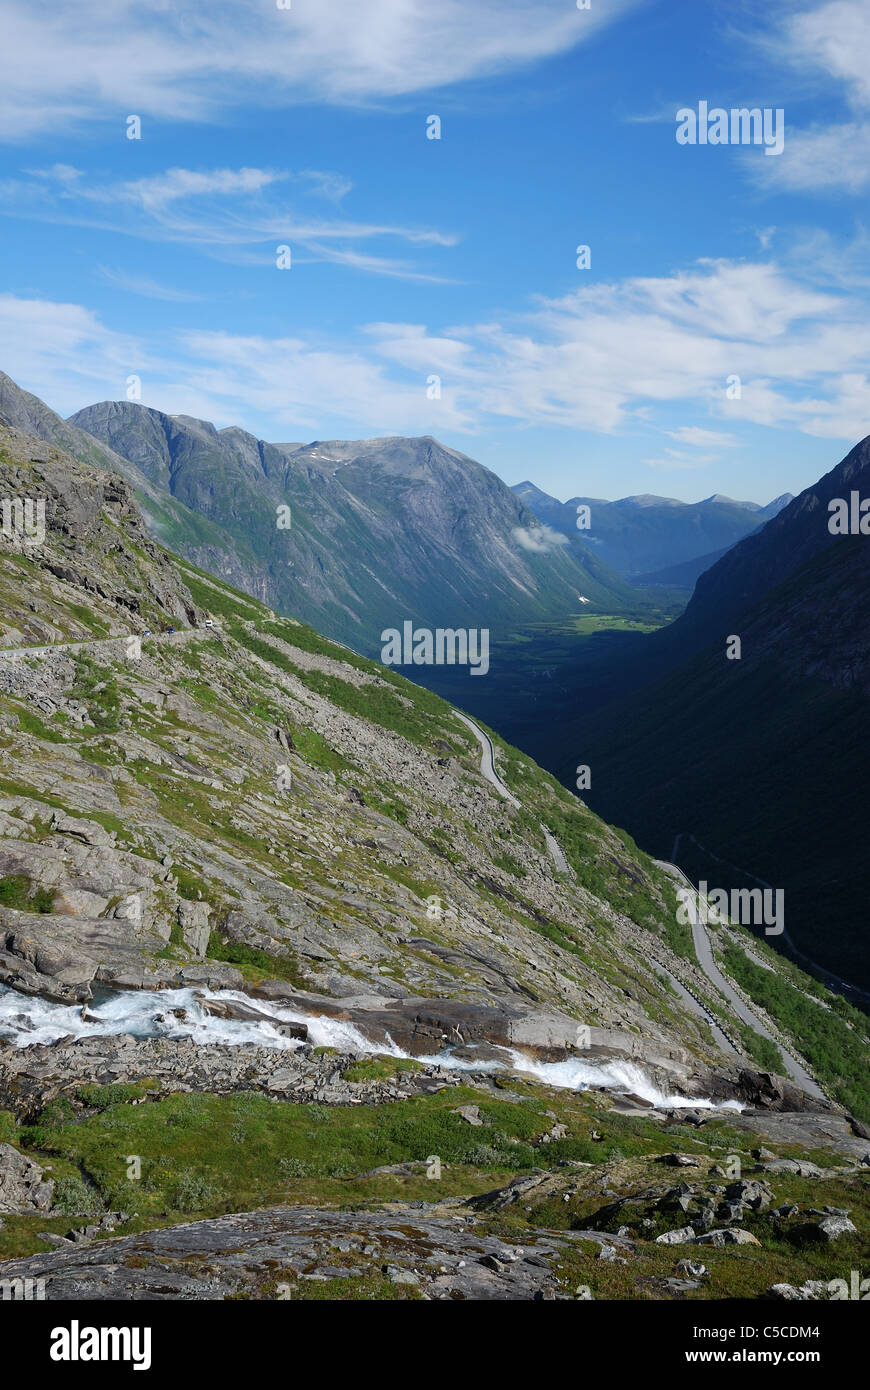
(639, 535)
(379, 531)
(178, 744)
(682, 576)
(762, 761)
(796, 535)
(24, 411)
(239, 862)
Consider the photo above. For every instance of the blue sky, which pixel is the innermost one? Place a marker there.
(454, 258)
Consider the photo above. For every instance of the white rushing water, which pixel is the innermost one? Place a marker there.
(182, 1013)
(26, 1019)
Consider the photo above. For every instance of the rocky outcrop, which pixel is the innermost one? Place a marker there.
(193, 920)
(31, 1077)
(96, 544)
(433, 1254)
(23, 1186)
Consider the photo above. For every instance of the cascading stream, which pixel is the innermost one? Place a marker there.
(26, 1020)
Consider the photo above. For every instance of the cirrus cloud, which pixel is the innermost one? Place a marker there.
(193, 61)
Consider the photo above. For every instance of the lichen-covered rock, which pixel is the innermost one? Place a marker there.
(237, 1256)
(23, 1187)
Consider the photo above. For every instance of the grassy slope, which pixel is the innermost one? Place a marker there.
(205, 1155)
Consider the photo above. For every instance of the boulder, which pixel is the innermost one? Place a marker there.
(730, 1235)
(470, 1113)
(193, 920)
(750, 1193)
(684, 1235)
(78, 902)
(558, 1131)
(23, 1188)
(799, 1166)
(90, 832)
(829, 1229)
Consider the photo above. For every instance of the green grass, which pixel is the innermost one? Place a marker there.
(216, 598)
(190, 885)
(376, 703)
(380, 1068)
(205, 694)
(417, 886)
(314, 748)
(32, 724)
(586, 623)
(255, 964)
(116, 1093)
(17, 891)
(204, 1155)
(96, 686)
(762, 1050)
(86, 618)
(211, 1154)
(391, 807)
(511, 866)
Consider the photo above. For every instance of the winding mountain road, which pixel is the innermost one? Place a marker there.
(834, 982)
(487, 768)
(703, 948)
(181, 634)
(704, 952)
(487, 758)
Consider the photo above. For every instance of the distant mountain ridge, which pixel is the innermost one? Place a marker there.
(380, 530)
(762, 762)
(640, 535)
(374, 532)
(683, 575)
(796, 535)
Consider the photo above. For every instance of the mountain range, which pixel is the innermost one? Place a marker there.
(641, 536)
(387, 530)
(356, 537)
(378, 531)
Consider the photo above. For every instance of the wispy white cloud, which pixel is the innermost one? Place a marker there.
(299, 381)
(828, 45)
(675, 461)
(632, 355)
(829, 159)
(330, 185)
(146, 287)
(701, 438)
(831, 39)
(834, 261)
(191, 61)
(63, 352)
(228, 214)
